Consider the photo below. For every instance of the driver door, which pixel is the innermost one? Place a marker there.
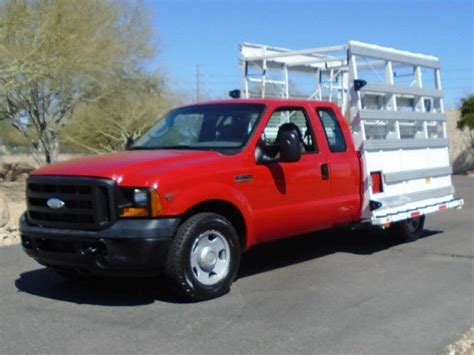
(290, 198)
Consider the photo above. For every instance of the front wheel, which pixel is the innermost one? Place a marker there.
(408, 230)
(204, 257)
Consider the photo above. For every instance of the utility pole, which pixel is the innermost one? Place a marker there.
(198, 83)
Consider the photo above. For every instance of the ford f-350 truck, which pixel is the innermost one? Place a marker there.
(211, 180)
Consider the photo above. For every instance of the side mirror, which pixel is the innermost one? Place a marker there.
(290, 147)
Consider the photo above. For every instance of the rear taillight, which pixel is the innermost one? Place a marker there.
(377, 185)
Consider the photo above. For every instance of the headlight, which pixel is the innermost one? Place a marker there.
(140, 197)
(138, 202)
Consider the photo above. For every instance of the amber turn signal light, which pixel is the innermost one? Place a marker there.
(141, 203)
(134, 212)
(156, 207)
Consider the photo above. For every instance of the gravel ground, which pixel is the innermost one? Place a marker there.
(464, 346)
(15, 195)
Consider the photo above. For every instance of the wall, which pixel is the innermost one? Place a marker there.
(460, 143)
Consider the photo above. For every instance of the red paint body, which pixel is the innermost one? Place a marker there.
(281, 200)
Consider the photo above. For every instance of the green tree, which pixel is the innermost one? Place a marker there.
(132, 104)
(467, 116)
(9, 136)
(58, 54)
(467, 113)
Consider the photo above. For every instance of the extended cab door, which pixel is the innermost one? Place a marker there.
(341, 165)
(289, 198)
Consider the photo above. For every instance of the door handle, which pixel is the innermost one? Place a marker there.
(325, 171)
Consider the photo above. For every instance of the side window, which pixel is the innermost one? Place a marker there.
(290, 119)
(333, 130)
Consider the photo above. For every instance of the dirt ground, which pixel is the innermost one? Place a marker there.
(15, 195)
(464, 346)
(25, 158)
(15, 191)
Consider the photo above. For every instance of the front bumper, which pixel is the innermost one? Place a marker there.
(128, 247)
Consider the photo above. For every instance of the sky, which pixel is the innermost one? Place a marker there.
(208, 33)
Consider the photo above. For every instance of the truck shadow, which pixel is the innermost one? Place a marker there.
(286, 252)
(116, 292)
(113, 292)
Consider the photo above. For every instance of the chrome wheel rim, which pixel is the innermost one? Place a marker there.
(210, 257)
(413, 224)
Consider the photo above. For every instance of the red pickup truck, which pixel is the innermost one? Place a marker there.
(206, 183)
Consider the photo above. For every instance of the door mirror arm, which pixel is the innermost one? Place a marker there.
(267, 153)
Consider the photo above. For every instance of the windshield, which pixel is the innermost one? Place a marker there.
(214, 126)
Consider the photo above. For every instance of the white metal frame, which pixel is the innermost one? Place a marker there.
(398, 126)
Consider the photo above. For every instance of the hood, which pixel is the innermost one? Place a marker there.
(125, 167)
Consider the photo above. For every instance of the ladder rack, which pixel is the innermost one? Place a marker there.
(392, 100)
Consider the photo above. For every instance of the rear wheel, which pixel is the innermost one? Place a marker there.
(204, 257)
(408, 230)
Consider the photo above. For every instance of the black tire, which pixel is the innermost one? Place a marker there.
(408, 230)
(179, 267)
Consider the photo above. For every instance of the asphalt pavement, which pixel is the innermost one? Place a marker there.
(338, 292)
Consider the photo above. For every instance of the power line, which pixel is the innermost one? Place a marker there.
(198, 83)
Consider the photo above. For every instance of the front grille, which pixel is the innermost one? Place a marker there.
(88, 202)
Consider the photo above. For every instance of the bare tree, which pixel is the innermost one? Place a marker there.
(132, 104)
(57, 54)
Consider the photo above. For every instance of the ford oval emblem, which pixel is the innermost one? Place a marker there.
(55, 203)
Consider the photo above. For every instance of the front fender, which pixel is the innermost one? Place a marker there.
(179, 202)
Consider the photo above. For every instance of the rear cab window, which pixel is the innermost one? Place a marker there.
(332, 130)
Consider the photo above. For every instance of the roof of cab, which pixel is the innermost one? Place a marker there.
(266, 101)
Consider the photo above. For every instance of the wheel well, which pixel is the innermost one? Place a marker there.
(227, 210)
